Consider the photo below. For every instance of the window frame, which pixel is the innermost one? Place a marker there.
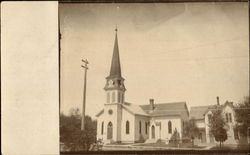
(102, 128)
(108, 97)
(113, 97)
(169, 127)
(139, 127)
(127, 127)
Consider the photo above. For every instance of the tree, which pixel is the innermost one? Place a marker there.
(191, 130)
(217, 126)
(242, 112)
(70, 131)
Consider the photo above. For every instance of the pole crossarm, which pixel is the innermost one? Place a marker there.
(85, 61)
(84, 67)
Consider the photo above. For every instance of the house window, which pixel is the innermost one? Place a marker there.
(236, 136)
(230, 117)
(200, 136)
(227, 117)
(209, 118)
(113, 97)
(119, 82)
(127, 127)
(169, 127)
(108, 97)
(146, 128)
(102, 128)
(140, 127)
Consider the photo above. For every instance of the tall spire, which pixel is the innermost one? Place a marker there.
(115, 70)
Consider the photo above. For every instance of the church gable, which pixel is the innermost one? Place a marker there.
(134, 109)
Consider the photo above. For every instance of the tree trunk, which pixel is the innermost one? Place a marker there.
(220, 144)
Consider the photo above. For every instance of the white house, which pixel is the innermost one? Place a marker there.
(120, 121)
(202, 114)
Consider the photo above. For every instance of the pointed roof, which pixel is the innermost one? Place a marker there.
(115, 70)
(198, 112)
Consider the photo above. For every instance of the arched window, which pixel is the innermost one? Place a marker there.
(113, 97)
(108, 97)
(140, 127)
(169, 127)
(110, 131)
(119, 98)
(122, 97)
(102, 128)
(127, 127)
(153, 132)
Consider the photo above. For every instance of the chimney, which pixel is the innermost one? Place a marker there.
(218, 100)
(151, 101)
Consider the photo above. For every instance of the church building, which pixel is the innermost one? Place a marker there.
(122, 122)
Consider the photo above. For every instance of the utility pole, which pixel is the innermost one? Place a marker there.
(84, 93)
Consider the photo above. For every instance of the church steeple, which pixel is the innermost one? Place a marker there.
(114, 87)
(115, 70)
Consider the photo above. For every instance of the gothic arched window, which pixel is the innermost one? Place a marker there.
(127, 127)
(119, 97)
(122, 97)
(140, 127)
(169, 127)
(108, 97)
(113, 97)
(102, 128)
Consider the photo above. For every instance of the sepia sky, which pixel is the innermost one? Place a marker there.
(171, 52)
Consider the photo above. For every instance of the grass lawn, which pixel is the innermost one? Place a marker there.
(232, 147)
(161, 144)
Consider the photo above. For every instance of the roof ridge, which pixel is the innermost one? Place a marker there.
(201, 106)
(164, 103)
(172, 102)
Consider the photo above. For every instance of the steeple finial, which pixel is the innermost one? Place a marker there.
(116, 28)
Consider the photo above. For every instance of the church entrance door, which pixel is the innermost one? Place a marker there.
(153, 132)
(110, 131)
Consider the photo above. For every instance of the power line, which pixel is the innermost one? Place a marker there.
(198, 46)
(205, 58)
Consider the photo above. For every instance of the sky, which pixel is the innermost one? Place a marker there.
(170, 52)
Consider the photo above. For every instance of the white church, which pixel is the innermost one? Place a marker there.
(122, 122)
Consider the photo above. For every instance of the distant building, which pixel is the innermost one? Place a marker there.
(120, 121)
(202, 114)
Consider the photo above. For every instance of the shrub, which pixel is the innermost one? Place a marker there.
(175, 138)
